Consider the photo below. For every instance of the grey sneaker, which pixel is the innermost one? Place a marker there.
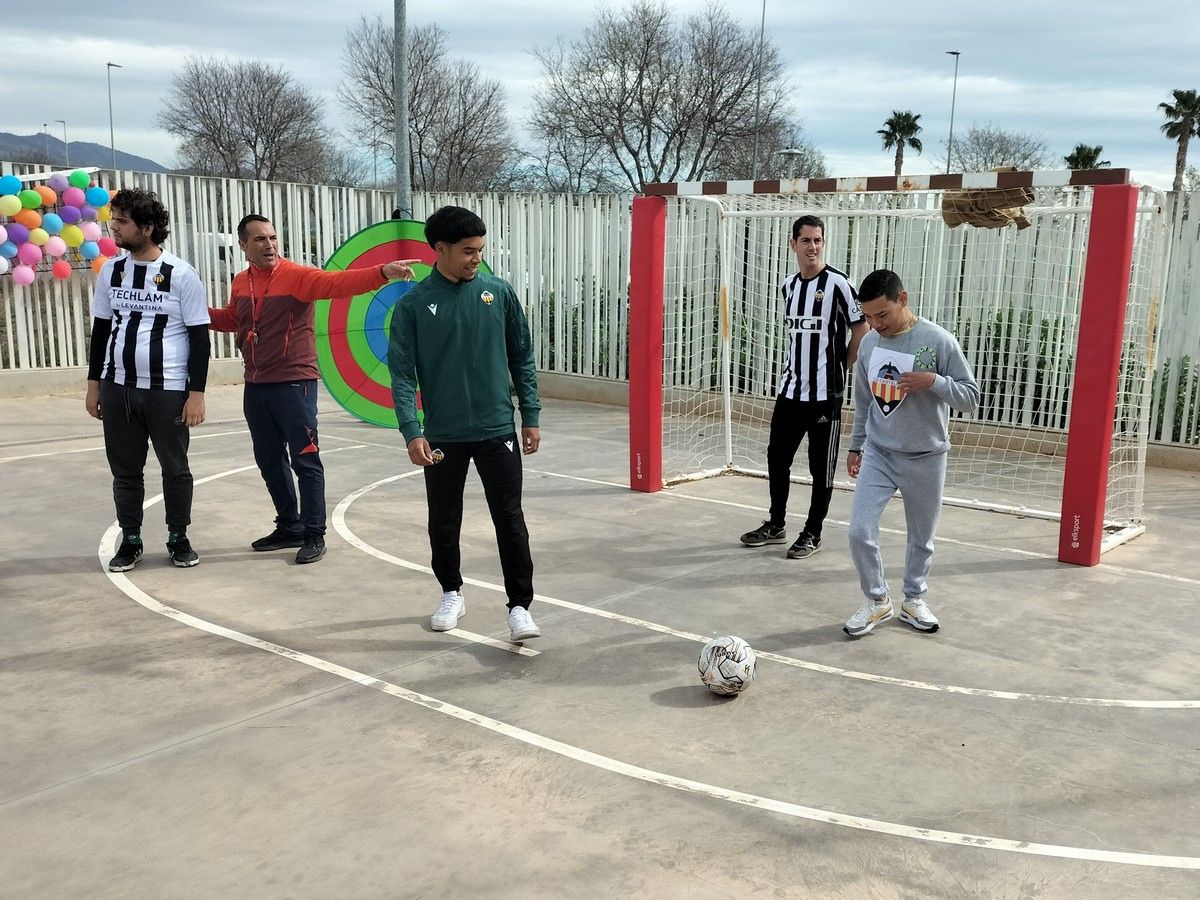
(451, 608)
(806, 545)
(521, 626)
(872, 613)
(766, 533)
(914, 612)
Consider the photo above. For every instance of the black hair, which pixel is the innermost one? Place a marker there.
(810, 221)
(246, 220)
(880, 283)
(144, 208)
(452, 224)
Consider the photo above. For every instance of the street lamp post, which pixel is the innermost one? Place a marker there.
(112, 141)
(66, 146)
(791, 154)
(953, 97)
(46, 132)
(762, 35)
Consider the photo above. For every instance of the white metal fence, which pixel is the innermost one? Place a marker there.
(566, 255)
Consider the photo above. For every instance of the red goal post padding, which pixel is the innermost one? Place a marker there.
(1098, 352)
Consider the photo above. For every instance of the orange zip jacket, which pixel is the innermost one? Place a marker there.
(272, 313)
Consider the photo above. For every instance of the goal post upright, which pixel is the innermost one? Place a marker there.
(1097, 365)
(647, 260)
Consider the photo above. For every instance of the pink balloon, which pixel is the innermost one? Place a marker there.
(30, 254)
(56, 246)
(108, 247)
(91, 231)
(73, 196)
(22, 275)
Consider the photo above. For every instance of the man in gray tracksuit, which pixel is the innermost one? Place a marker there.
(910, 373)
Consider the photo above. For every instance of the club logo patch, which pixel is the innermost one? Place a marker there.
(819, 296)
(433, 308)
(158, 279)
(886, 369)
(487, 297)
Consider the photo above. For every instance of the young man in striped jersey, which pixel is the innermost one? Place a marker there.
(462, 335)
(824, 326)
(271, 310)
(909, 376)
(147, 368)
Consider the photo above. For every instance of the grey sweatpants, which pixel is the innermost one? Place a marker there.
(919, 478)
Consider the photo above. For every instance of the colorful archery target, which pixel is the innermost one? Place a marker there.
(352, 332)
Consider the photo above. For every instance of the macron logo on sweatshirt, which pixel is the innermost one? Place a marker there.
(433, 308)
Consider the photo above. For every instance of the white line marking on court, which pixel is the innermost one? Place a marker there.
(340, 526)
(1032, 554)
(195, 437)
(617, 767)
(492, 642)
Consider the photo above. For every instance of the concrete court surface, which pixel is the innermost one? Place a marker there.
(250, 728)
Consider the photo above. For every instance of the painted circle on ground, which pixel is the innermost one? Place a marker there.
(352, 332)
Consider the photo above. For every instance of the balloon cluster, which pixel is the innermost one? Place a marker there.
(47, 226)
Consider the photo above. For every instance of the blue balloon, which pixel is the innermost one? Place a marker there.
(89, 249)
(10, 184)
(8, 249)
(96, 196)
(52, 223)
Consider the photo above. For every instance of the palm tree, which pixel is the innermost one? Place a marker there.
(1183, 122)
(1085, 156)
(900, 131)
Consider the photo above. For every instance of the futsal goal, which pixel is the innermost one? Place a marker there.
(1050, 281)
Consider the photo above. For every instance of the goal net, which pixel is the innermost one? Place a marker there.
(1013, 296)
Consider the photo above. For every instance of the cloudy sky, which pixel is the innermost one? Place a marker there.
(1076, 72)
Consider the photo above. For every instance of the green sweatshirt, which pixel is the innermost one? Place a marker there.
(460, 342)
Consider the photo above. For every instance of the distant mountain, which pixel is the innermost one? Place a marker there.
(38, 148)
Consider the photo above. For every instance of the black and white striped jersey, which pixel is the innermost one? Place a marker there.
(817, 313)
(151, 305)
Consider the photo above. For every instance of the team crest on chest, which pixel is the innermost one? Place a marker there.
(158, 279)
(819, 296)
(487, 297)
(886, 368)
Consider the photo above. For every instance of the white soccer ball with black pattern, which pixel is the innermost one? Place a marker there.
(726, 665)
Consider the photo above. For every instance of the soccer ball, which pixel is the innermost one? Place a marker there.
(726, 665)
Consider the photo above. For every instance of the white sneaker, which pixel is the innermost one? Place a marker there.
(872, 614)
(914, 612)
(521, 626)
(452, 608)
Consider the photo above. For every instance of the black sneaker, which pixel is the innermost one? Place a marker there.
(312, 549)
(279, 539)
(181, 552)
(766, 533)
(127, 556)
(806, 545)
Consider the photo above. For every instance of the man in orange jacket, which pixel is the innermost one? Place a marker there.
(270, 308)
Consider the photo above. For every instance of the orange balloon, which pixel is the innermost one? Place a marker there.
(98, 263)
(49, 198)
(30, 218)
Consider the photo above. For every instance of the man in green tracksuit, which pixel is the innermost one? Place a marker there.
(460, 335)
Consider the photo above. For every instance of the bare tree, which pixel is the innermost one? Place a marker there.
(459, 132)
(245, 119)
(986, 147)
(640, 99)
